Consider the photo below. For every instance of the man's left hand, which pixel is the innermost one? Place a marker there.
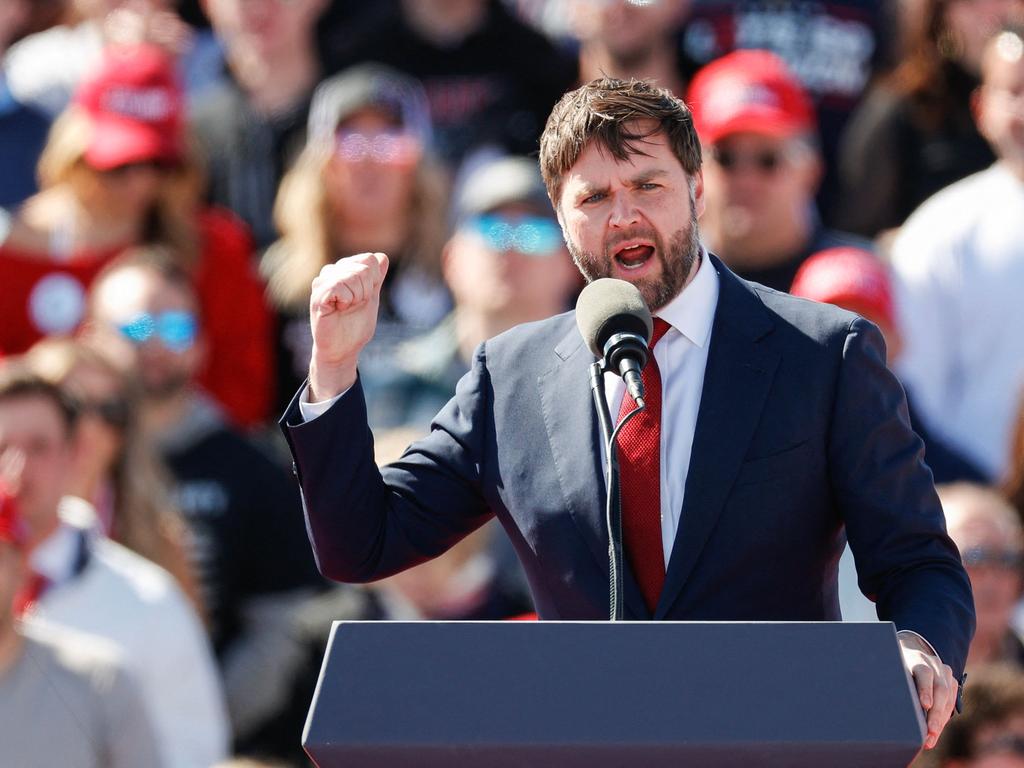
(936, 686)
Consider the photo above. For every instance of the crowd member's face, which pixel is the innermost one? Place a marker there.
(13, 14)
(635, 220)
(35, 458)
(1001, 99)
(123, 193)
(993, 565)
(148, 325)
(970, 24)
(511, 261)
(263, 28)
(371, 174)
(628, 30)
(754, 186)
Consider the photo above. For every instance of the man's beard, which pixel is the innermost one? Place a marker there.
(676, 262)
(160, 389)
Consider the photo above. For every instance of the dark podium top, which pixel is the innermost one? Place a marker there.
(596, 694)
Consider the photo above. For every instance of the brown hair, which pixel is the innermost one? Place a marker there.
(145, 520)
(926, 68)
(994, 694)
(172, 219)
(19, 380)
(606, 110)
(302, 215)
(1013, 485)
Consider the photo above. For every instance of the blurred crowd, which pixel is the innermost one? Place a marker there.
(174, 174)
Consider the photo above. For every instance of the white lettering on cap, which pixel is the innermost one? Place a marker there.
(733, 96)
(151, 105)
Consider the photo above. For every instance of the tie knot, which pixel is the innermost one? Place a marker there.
(660, 329)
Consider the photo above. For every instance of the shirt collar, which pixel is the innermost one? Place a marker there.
(692, 312)
(57, 556)
(54, 557)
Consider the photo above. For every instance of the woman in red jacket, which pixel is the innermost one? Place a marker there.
(117, 172)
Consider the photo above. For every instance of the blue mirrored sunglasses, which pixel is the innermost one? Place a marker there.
(176, 330)
(530, 235)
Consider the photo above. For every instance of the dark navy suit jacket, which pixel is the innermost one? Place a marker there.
(802, 431)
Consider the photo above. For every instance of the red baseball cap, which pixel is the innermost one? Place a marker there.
(12, 528)
(849, 277)
(136, 106)
(749, 92)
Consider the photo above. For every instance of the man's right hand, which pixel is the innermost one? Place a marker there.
(343, 316)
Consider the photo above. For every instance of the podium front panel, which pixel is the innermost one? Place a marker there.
(594, 694)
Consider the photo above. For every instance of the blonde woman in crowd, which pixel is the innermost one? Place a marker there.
(364, 182)
(114, 469)
(117, 172)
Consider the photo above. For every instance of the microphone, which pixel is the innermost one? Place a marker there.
(616, 324)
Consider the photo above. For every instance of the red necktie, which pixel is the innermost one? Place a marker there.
(639, 446)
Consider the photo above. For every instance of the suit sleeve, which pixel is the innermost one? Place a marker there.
(905, 561)
(366, 524)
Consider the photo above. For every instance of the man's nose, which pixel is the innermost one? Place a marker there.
(624, 212)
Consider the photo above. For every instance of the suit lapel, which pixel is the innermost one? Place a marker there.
(567, 405)
(737, 380)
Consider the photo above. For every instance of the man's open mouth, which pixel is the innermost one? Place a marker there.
(633, 254)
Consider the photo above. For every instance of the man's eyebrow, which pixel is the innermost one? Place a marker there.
(648, 175)
(586, 190)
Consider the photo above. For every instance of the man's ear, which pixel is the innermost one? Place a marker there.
(698, 193)
(978, 110)
(447, 259)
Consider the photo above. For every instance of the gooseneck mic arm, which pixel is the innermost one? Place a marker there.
(616, 324)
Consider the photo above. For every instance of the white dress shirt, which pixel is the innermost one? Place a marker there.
(139, 607)
(682, 356)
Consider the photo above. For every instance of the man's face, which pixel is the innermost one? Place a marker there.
(143, 320)
(35, 458)
(992, 563)
(510, 262)
(755, 185)
(627, 30)
(263, 27)
(1001, 99)
(635, 220)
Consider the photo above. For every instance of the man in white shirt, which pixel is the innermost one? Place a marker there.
(90, 584)
(959, 263)
(777, 425)
(65, 699)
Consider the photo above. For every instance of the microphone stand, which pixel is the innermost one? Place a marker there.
(613, 507)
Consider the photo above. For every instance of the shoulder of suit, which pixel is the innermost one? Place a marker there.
(794, 314)
(538, 336)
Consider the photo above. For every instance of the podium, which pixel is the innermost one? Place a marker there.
(600, 694)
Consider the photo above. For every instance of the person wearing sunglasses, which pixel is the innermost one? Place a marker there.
(245, 539)
(118, 172)
(372, 183)
(988, 533)
(505, 264)
(762, 168)
(114, 468)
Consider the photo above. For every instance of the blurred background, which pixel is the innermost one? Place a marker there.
(174, 173)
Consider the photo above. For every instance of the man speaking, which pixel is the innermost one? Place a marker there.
(773, 429)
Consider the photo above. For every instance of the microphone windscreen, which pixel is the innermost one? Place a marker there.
(608, 306)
